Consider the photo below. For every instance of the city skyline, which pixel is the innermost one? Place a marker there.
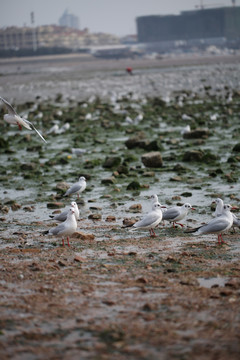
(107, 16)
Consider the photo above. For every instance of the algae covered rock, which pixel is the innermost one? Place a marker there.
(134, 185)
(196, 134)
(236, 147)
(152, 159)
(193, 155)
(112, 161)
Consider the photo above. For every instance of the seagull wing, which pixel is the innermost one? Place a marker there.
(29, 123)
(170, 214)
(215, 225)
(148, 220)
(73, 189)
(9, 107)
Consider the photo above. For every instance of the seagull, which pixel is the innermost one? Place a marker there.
(217, 225)
(78, 187)
(68, 227)
(13, 118)
(154, 198)
(219, 207)
(186, 130)
(63, 215)
(54, 129)
(150, 220)
(176, 213)
(219, 210)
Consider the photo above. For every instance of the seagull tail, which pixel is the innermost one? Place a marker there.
(45, 232)
(192, 230)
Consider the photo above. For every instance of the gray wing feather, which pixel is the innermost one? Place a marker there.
(57, 230)
(29, 123)
(9, 107)
(170, 214)
(216, 225)
(148, 220)
(62, 216)
(74, 188)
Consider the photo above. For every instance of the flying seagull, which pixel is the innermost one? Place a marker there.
(13, 118)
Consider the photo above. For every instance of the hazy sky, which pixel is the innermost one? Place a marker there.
(110, 16)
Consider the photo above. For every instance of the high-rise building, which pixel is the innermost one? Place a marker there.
(69, 20)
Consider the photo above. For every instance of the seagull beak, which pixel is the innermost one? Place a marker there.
(162, 206)
(234, 208)
(193, 208)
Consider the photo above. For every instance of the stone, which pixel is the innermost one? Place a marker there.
(193, 155)
(236, 148)
(197, 134)
(112, 161)
(134, 185)
(95, 217)
(152, 159)
(82, 236)
(55, 205)
(109, 181)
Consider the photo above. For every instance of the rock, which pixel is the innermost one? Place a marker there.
(152, 159)
(197, 134)
(176, 178)
(135, 208)
(149, 173)
(109, 181)
(110, 218)
(193, 155)
(55, 205)
(136, 141)
(122, 169)
(128, 222)
(4, 209)
(186, 194)
(15, 207)
(236, 147)
(79, 259)
(95, 217)
(28, 166)
(154, 145)
(112, 161)
(83, 236)
(63, 186)
(134, 185)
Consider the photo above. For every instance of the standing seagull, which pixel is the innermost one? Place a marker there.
(176, 213)
(13, 118)
(150, 220)
(217, 225)
(219, 207)
(78, 187)
(219, 210)
(63, 215)
(68, 227)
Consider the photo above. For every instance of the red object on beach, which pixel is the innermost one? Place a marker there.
(129, 70)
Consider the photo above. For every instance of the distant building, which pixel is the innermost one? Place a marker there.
(69, 20)
(51, 36)
(205, 24)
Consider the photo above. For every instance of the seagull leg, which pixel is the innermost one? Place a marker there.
(63, 242)
(153, 233)
(19, 126)
(68, 241)
(180, 224)
(219, 242)
(173, 224)
(222, 241)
